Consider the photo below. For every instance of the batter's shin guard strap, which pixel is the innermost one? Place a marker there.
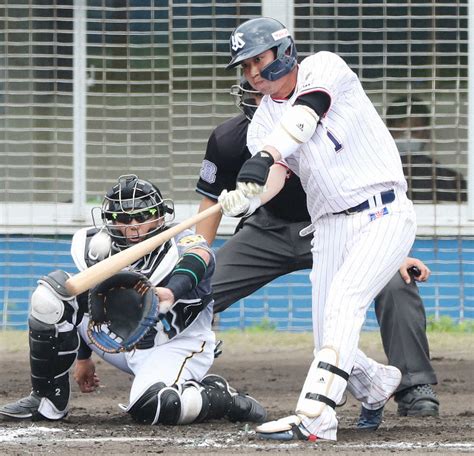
(324, 384)
(321, 398)
(334, 370)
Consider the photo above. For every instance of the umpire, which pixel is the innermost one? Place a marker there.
(268, 243)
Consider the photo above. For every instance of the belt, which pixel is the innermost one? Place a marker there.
(373, 201)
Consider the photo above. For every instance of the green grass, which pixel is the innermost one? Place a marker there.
(447, 324)
(442, 343)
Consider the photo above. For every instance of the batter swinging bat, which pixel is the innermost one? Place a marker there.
(111, 265)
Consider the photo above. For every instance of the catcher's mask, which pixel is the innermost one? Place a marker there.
(259, 35)
(245, 97)
(136, 204)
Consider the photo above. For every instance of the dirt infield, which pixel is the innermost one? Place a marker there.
(269, 366)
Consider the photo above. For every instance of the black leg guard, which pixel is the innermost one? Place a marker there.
(220, 400)
(158, 404)
(52, 354)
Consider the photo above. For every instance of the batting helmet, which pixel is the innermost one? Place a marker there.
(259, 35)
(245, 97)
(134, 199)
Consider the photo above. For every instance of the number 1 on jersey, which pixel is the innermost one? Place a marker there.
(337, 145)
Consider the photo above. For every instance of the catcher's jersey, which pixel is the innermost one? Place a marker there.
(194, 310)
(351, 155)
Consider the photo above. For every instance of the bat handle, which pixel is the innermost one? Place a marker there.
(414, 271)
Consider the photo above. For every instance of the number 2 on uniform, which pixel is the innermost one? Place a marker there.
(337, 145)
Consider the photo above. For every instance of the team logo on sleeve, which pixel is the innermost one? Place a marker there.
(208, 171)
(237, 41)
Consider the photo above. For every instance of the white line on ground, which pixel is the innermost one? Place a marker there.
(32, 434)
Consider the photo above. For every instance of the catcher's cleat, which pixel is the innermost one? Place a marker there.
(27, 408)
(369, 420)
(241, 407)
(23, 409)
(419, 400)
(288, 428)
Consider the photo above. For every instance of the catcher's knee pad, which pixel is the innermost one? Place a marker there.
(50, 302)
(324, 384)
(158, 404)
(53, 350)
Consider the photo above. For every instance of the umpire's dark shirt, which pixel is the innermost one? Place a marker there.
(226, 153)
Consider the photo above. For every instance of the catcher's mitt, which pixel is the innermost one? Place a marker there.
(122, 309)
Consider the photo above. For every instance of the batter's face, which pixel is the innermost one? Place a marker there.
(280, 88)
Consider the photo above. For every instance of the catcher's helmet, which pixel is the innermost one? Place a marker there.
(245, 97)
(134, 199)
(259, 35)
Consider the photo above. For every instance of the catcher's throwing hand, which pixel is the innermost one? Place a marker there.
(165, 297)
(85, 376)
(418, 269)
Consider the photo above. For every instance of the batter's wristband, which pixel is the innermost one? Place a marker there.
(189, 271)
(256, 168)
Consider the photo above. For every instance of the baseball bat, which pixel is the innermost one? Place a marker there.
(101, 271)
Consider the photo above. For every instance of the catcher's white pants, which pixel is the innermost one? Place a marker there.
(354, 257)
(188, 356)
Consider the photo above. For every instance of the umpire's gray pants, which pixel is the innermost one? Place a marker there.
(267, 247)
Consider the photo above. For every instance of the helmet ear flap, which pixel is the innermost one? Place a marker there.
(285, 61)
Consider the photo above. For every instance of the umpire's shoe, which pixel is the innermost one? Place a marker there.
(23, 409)
(369, 420)
(242, 407)
(419, 400)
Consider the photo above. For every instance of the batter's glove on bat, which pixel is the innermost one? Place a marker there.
(122, 310)
(236, 204)
(254, 173)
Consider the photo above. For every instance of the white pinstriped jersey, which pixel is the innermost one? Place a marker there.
(351, 155)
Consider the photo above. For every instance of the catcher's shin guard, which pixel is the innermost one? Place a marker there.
(53, 350)
(220, 400)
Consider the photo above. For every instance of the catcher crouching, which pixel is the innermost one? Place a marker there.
(152, 320)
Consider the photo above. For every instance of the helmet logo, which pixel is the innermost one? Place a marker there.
(279, 34)
(237, 41)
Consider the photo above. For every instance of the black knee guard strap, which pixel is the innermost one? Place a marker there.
(334, 370)
(321, 398)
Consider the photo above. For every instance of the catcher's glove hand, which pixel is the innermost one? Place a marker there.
(122, 309)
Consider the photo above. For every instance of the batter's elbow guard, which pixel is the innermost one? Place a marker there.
(256, 168)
